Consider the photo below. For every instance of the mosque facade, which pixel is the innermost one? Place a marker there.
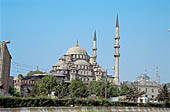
(76, 63)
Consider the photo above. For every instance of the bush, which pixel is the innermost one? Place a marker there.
(13, 102)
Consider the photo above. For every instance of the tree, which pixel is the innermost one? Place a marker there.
(163, 95)
(34, 72)
(92, 87)
(13, 92)
(20, 76)
(61, 90)
(78, 88)
(134, 93)
(124, 90)
(97, 88)
(47, 84)
(34, 91)
(112, 91)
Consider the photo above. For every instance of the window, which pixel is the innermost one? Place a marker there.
(145, 89)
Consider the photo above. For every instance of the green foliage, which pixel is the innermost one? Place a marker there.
(134, 93)
(78, 89)
(13, 92)
(164, 95)
(97, 88)
(34, 72)
(61, 90)
(112, 91)
(13, 102)
(34, 91)
(20, 76)
(46, 85)
(124, 90)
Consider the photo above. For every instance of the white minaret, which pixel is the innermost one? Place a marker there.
(117, 54)
(157, 76)
(94, 55)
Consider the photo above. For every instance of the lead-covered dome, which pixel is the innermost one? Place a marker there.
(81, 62)
(76, 50)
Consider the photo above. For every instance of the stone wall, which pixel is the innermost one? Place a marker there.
(86, 109)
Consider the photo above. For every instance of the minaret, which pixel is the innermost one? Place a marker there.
(94, 55)
(117, 54)
(157, 76)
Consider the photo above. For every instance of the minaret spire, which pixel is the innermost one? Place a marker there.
(94, 55)
(117, 21)
(117, 54)
(95, 35)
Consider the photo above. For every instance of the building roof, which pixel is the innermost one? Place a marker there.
(76, 50)
(144, 79)
(81, 62)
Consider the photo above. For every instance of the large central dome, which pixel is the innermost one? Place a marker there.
(76, 50)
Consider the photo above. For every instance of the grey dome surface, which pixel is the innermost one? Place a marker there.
(143, 77)
(76, 50)
(81, 62)
(60, 63)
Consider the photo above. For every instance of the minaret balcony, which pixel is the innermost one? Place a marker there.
(116, 37)
(116, 54)
(116, 46)
(94, 49)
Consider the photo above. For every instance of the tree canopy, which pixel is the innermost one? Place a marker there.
(47, 84)
(164, 95)
(61, 90)
(134, 93)
(30, 73)
(78, 89)
(20, 76)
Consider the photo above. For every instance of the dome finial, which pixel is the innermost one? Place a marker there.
(77, 43)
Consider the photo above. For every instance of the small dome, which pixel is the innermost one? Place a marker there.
(81, 62)
(143, 77)
(60, 63)
(76, 50)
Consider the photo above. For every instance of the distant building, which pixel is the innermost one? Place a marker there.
(146, 84)
(5, 63)
(23, 86)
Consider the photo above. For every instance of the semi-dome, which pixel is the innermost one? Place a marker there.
(76, 50)
(81, 62)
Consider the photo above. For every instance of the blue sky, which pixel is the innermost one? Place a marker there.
(41, 31)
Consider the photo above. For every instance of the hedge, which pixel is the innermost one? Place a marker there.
(13, 102)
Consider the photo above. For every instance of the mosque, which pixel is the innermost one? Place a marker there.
(77, 63)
